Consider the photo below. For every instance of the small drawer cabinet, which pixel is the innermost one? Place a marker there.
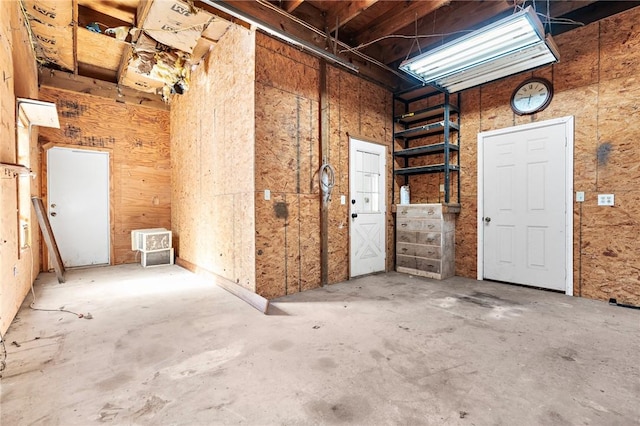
(425, 240)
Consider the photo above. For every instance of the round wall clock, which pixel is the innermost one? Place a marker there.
(531, 96)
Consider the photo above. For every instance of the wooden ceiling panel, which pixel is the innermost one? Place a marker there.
(99, 50)
(123, 10)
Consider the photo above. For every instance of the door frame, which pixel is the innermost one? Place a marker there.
(384, 185)
(46, 262)
(568, 121)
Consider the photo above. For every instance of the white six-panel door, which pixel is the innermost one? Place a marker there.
(367, 162)
(526, 194)
(78, 205)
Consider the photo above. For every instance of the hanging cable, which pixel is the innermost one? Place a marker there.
(327, 178)
(33, 294)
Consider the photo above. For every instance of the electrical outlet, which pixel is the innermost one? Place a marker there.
(580, 196)
(442, 187)
(267, 195)
(15, 270)
(606, 200)
(343, 199)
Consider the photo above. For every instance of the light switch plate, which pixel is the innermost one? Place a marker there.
(606, 200)
(267, 195)
(442, 187)
(580, 196)
(343, 199)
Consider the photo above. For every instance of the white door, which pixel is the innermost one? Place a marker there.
(526, 195)
(367, 163)
(78, 197)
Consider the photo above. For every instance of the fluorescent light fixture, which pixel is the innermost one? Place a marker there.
(511, 45)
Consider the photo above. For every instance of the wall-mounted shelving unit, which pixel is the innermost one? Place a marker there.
(418, 120)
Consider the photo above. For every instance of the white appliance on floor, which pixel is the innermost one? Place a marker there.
(154, 245)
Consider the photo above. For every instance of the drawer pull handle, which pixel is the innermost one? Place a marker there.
(404, 249)
(431, 226)
(430, 212)
(403, 212)
(431, 240)
(403, 224)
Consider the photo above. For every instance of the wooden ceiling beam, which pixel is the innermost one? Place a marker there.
(76, 83)
(404, 15)
(337, 16)
(123, 10)
(292, 5)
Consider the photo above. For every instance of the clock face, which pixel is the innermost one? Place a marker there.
(531, 96)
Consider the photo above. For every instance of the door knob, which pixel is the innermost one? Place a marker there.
(487, 219)
(54, 214)
(354, 215)
(53, 206)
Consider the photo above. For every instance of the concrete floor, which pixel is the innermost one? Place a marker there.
(165, 347)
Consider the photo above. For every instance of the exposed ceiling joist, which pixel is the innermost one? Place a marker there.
(402, 17)
(123, 10)
(76, 83)
(339, 16)
(290, 6)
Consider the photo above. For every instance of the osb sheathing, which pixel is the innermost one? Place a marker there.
(597, 82)
(18, 267)
(288, 159)
(212, 162)
(137, 140)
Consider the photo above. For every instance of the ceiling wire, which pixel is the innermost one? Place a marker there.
(439, 35)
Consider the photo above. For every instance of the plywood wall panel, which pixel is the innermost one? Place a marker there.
(620, 45)
(212, 158)
(578, 102)
(375, 113)
(619, 159)
(279, 147)
(496, 107)
(578, 66)
(287, 74)
(271, 253)
(286, 50)
(310, 242)
(244, 239)
(339, 222)
(466, 228)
